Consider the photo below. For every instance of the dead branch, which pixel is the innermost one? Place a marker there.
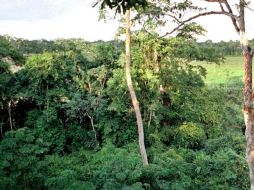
(234, 20)
(200, 15)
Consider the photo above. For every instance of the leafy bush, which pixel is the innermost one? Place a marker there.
(225, 169)
(229, 140)
(20, 155)
(189, 135)
(68, 172)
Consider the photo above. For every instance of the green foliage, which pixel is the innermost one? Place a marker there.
(229, 140)
(231, 48)
(7, 50)
(189, 135)
(224, 167)
(5, 77)
(186, 169)
(68, 172)
(20, 153)
(74, 126)
(4, 67)
(189, 31)
(114, 168)
(122, 5)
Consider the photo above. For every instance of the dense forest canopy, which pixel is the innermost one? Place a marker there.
(67, 122)
(139, 114)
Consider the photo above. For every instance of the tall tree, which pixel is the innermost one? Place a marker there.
(237, 17)
(238, 21)
(125, 7)
(248, 111)
(134, 99)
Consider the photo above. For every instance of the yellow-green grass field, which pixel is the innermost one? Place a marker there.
(232, 68)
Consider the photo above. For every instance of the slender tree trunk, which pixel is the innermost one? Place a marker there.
(9, 113)
(92, 123)
(134, 100)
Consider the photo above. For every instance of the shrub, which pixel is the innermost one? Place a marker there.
(189, 135)
(20, 155)
(230, 140)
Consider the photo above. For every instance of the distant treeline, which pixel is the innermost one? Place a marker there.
(26, 47)
(232, 48)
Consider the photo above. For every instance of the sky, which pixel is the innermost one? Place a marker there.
(52, 19)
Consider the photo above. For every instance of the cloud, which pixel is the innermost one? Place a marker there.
(77, 20)
(33, 9)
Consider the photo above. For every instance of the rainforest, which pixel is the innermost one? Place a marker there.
(73, 118)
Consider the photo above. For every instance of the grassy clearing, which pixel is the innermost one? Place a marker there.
(232, 68)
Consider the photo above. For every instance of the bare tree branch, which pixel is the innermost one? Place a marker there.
(96, 3)
(197, 16)
(251, 9)
(221, 7)
(242, 16)
(220, 1)
(174, 17)
(234, 20)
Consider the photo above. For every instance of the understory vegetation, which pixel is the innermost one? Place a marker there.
(66, 119)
